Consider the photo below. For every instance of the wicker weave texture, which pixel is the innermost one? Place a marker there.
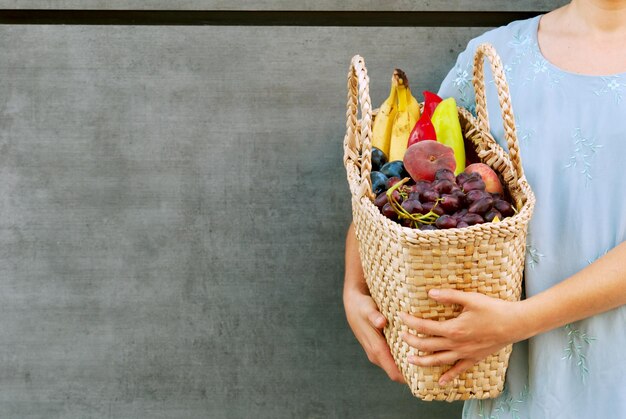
(402, 264)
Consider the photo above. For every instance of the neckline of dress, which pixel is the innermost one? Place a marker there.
(535, 45)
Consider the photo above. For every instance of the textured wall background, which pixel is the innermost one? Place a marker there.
(173, 209)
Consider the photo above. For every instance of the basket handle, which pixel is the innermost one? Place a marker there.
(359, 146)
(487, 50)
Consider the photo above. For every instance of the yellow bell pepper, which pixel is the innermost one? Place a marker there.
(448, 128)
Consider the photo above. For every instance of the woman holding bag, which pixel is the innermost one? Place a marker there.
(567, 73)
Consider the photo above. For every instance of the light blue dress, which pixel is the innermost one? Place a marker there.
(572, 133)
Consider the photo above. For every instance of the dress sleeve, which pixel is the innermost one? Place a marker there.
(458, 82)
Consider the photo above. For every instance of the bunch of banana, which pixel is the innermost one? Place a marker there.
(396, 118)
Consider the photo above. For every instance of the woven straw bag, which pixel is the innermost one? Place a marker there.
(402, 264)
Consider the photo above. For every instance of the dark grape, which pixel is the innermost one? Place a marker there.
(491, 214)
(446, 174)
(443, 186)
(414, 195)
(406, 222)
(428, 227)
(450, 203)
(381, 200)
(420, 186)
(378, 158)
(429, 195)
(504, 207)
(396, 195)
(471, 219)
(392, 181)
(412, 206)
(481, 206)
(460, 213)
(389, 212)
(460, 195)
(430, 206)
(475, 195)
(379, 182)
(446, 221)
(474, 184)
(462, 224)
(461, 178)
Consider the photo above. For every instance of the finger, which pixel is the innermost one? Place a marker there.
(378, 353)
(451, 296)
(438, 358)
(433, 344)
(389, 366)
(427, 327)
(376, 319)
(459, 368)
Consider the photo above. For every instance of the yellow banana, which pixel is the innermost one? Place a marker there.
(405, 119)
(414, 107)
(381, 127)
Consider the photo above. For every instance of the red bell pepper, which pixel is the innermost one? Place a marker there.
(423, 130)
(431, 100)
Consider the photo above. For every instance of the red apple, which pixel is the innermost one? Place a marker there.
(423, 159)
(492, 182)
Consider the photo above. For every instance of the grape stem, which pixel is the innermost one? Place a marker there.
(429, 218)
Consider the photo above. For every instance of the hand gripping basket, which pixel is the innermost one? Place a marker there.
(402, 264)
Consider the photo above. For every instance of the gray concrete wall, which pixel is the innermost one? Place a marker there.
(365, 5)
(173, 208)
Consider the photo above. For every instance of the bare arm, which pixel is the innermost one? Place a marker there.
(599, 287)
(363, 316)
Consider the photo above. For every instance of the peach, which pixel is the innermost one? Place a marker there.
(492, 182)
(423, 159)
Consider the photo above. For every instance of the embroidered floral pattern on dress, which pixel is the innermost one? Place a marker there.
(506, 403)
(463, 83)
(577, 341)
(532, 254)
(584, 151)
(611, 85)
(522, 44)
(524, 133)
(540, 68)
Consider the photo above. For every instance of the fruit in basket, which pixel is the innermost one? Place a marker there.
(470, 218)
(441, 201)
(379, 182)
(383, 122)
(424, 129)
(424, 159)
(381, 199)
(443, 186)
(378, 158)
(445, 174)
(450, 203)
(431, 101)
(481, 206)
(445, 119)
(389, 212)
(473, 184)
(492, 182)
(504, 208)
(492, 214)
(413, 206)
(406, 116)
(394, 169)
(446, 221)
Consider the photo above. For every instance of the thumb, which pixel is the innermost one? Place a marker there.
(450, 296)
